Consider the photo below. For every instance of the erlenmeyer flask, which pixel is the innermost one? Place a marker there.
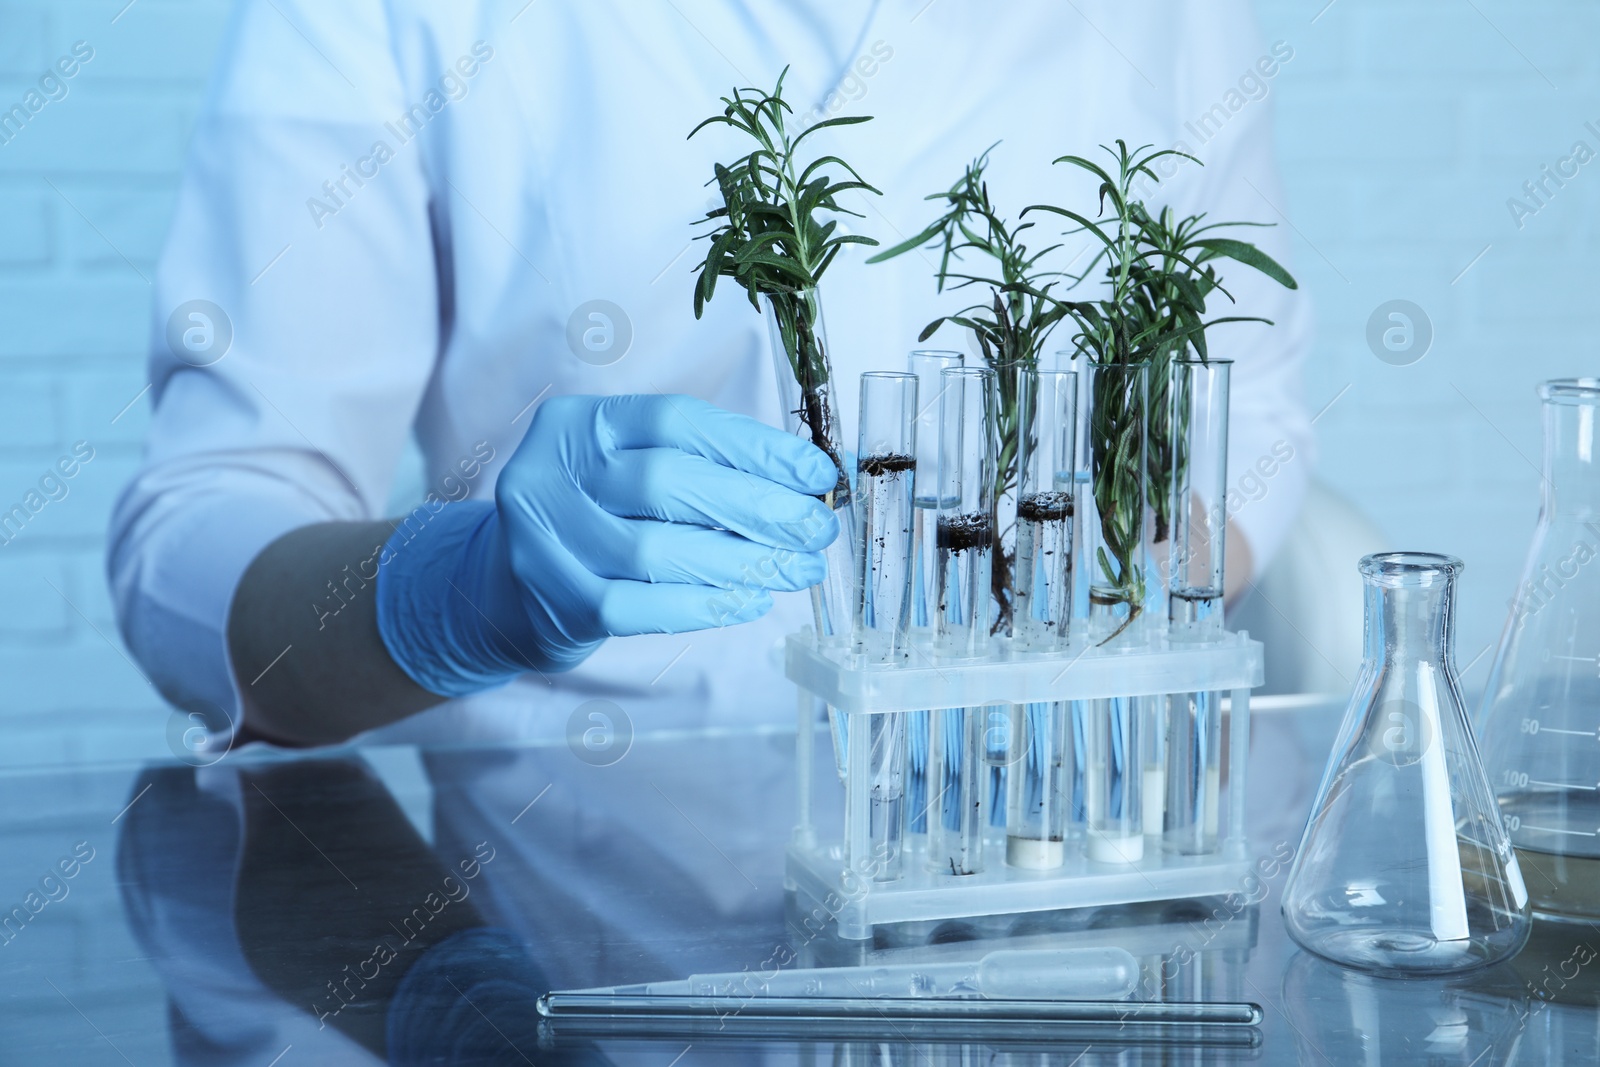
(1404, 867)
(1541, 713)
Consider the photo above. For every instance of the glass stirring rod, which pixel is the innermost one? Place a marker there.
(1008, 974)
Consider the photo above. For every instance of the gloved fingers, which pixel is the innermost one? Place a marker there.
(673, 486)
(629, 608)
(733, 440)
(643, 550)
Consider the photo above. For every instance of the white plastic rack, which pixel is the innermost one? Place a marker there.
(820, 869)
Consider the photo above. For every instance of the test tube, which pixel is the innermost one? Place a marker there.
(1045, 507)
(885, 472)
(964, 539)
(1041, 778)
(885, 469)
(1114, 727)
(1113, 785)
(964, 543)
(927, 365)
(1199, 398)
(1085, 523)
(1153, 760)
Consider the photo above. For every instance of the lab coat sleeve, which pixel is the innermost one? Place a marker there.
(1270, 447)
(305, 218)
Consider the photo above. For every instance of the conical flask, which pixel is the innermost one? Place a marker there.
(1404, 867)
(1541, 713)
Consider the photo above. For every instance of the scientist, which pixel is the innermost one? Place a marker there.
(468, 225)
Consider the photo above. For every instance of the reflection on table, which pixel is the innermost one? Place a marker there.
(295, 903)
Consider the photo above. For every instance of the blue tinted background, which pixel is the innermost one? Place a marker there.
(1403, 128)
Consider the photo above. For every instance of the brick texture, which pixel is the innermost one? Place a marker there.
(86, 188)
(1404, 126)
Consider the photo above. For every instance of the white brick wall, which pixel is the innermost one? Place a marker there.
(1403, 127)
(85, 191)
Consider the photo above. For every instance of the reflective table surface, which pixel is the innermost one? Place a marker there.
(408, 905)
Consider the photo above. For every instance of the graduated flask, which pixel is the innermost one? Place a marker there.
(1404, 867)
(1541, 715)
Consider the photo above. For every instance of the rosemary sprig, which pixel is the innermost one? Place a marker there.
(1169, 300)
(1010, 324)
(774, 237)
(1159, 276)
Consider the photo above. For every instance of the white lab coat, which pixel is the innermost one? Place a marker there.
(430, 292)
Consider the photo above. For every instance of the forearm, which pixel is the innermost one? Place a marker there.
(303, 639)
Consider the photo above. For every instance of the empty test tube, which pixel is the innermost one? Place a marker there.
(885, 470)
(964, 543)
(1041, 773)
(927, 365)
(1199, 399)
(1085, 527)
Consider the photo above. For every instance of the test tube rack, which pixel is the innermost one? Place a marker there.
(823, 872)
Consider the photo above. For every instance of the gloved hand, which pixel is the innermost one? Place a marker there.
(616, 515)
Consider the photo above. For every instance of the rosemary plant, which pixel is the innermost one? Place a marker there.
(1159, 276)
(1169, 299)
(1010, 324)
(772, 235)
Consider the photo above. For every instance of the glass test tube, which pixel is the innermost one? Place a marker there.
(927, 365)
(1113, 782)
(886, 466)
(1114, 727)
(885, 469)
(1041, 779)
(1085, 522)
(964, 543)
(1045, 510)
(1199, 491)
(798, 339)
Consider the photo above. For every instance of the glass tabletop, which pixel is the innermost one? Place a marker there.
(409, 905)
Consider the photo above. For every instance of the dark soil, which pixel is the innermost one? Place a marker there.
(890, 463)
(961, 532)
(1045, 507)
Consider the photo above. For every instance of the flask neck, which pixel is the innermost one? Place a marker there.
(1571, 487)
(1411, 619)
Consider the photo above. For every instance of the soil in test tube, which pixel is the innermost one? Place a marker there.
(1195, 604)
(957, 533)
(1044, 562)
(963, 542)
(883, 493)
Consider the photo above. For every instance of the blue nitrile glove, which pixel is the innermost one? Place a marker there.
(616, 515)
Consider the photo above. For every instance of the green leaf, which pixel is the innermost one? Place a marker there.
(843, 120)
(910, 243)
(1250, 256)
